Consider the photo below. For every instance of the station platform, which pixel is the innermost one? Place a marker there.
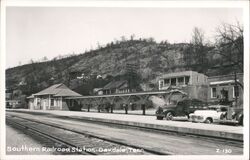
(184, 127)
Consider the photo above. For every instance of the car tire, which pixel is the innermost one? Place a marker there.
(169, 116)
(209, 120)
(159, 118)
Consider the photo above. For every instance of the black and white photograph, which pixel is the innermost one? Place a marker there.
(125, 80)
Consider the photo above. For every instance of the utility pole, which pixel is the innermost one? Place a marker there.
(235, 87)
(131, 70)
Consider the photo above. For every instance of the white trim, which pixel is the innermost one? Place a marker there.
(44, 104)
(223, 82)
(161, 82)
(61, 103)
(49, 102)
(234, 92)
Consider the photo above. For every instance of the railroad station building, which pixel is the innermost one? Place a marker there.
(52, 98)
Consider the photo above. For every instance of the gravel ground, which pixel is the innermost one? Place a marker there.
(18, 143)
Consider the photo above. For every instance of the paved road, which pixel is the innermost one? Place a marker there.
(174, 144)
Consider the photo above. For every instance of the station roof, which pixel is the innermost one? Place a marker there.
(132, 94)
(179, 74)
(57, 90)
(30, 97)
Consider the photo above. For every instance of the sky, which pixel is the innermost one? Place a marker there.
(36, 32)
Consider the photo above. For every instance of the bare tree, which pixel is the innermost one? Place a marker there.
(123, 39)
(132, 37)
(98, 45)
(150, 39)
(197, 50)
(44, 59)
(31, 61)
(198, 37)
(229, 43)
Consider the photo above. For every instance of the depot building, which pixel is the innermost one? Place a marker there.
(52, 98)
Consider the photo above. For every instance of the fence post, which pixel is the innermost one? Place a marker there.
(111, 109)
(126, 108)
(99, 108)
(88, 107)
(143, 109)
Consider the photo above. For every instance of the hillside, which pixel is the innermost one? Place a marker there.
(150, 59)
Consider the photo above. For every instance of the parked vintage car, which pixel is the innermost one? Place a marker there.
(181, 108)
(233, 116)
(211, 115)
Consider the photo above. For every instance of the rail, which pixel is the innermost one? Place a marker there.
(76, 139)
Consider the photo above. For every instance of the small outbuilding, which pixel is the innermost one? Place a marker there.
(52, 98)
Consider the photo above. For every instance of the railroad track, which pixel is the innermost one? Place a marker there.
(209, 139)
(237, 143)
(70, 141)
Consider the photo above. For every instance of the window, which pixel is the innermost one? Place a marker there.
(187, 80)
(173, 81)
(236, 91)
(51, 102)
(213, 93)
(161, 84)
(166, 81)
(71, 102)
(181, 80)
(38, 101)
